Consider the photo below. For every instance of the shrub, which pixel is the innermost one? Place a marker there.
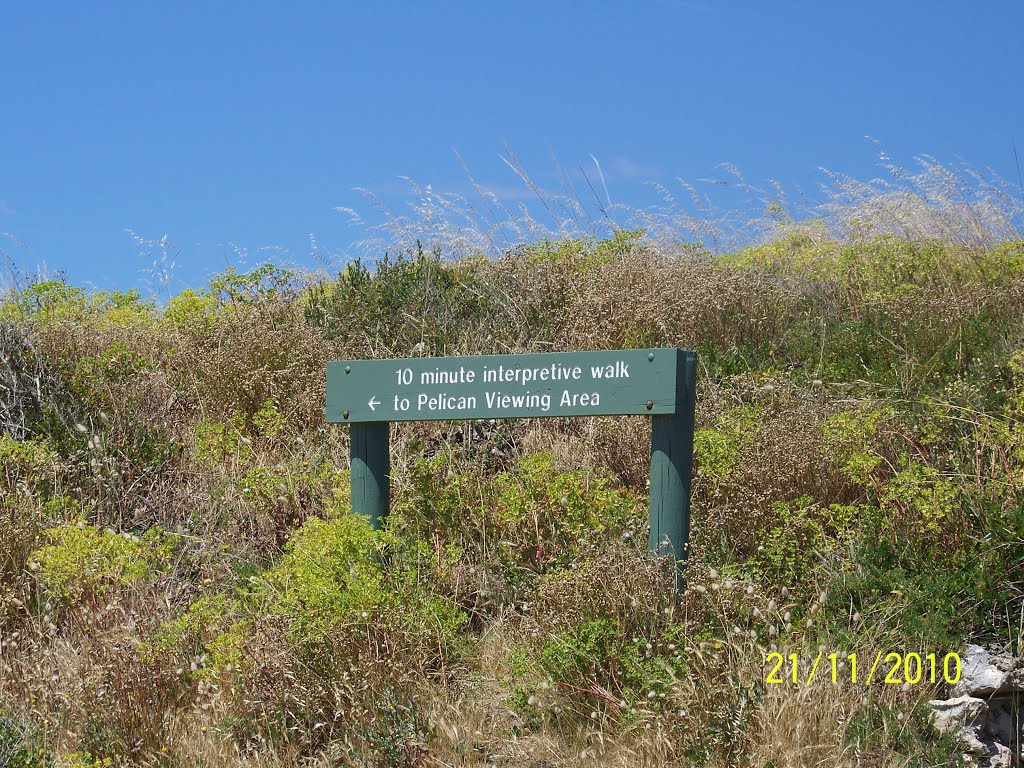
(922, 499)
(217, 441)
(718, 449)
(54, 301)
(331, 577)
(21, 744)
(93, 376)
(328, 577)
(231, 289)
(853, 437)
(601, 631)
(190, 312)
(35, 401)
(244, 341)
(86, 760)
(531, 516)
(26, 466)
(564, 512)
(807, 533)
(597, 652)
(412, 302)
(347, 617)
(85, 562)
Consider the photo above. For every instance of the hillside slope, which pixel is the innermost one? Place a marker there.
(182, 582)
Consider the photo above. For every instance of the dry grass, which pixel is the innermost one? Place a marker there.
(205, 420)
(931, 201)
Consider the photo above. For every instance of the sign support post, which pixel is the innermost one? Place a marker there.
(672, 469)
(371, 467)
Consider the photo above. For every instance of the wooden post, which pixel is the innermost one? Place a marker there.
(371, 469)
(671, 469)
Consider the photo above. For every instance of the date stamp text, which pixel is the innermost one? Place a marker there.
(887, 668)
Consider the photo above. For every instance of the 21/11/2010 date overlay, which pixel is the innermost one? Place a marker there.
(888, 668)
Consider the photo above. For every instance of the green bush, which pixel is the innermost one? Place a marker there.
(228, 296)
(115, 366)
(896, 312)
(348, 618)
(217, 441)
(29, 499)
(598, 652)
(28, 465)
(853, 438)
(83, 560)
(54, 301)
(805, 535)
(21, 744)
(530, 516)
(331, 577)
(922, 500)
(564, 512)
(231, 289)
(190, 312)
(718, 449)
(599, 633)
(86, 760)
(411, 301)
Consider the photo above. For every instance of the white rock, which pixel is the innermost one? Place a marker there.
(984, 673)
(984, 710)
(954, 714)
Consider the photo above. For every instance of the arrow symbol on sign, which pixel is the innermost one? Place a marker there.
(373, 403)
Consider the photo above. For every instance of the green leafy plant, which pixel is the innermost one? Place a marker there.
(805, 534)
(55, 301)
(21, 744)
(599, 655)
(331, 577)
(402, 302)
(718, 449)
(922, 498)
(216, 441)
(852, 435)
(84, 560)
(28, 464)
(529, 516)
(231, 288)
(190, 312)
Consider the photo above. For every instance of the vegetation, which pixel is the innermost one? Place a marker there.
(183, 582)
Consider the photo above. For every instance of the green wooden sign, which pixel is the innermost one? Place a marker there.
(638, 381)
(661, 383)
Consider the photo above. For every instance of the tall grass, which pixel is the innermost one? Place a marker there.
(182, 581)
(956, 204)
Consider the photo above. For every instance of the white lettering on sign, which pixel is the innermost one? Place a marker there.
(500, 400)
(579, 398)
(553, 372)
(437, 376)
(618, 371)
(445, 402)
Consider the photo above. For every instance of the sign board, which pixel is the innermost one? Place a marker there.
(661, 383)
(630, 381)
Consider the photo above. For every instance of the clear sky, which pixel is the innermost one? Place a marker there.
(233, 127)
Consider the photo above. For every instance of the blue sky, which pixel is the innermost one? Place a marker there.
(238, 128)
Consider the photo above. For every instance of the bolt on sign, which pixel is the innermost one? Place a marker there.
(370, 394)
